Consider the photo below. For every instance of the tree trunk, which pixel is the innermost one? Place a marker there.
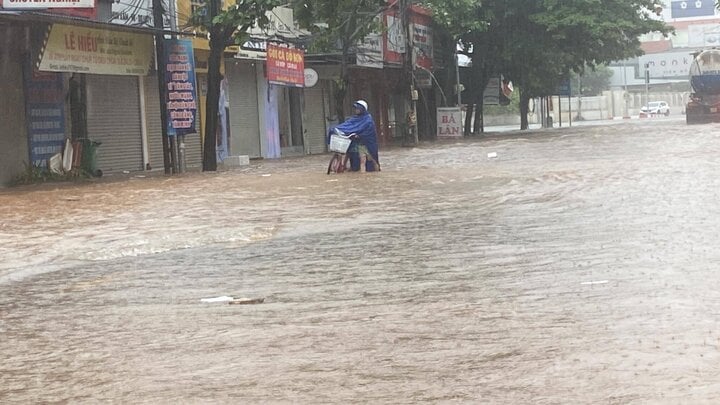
(524, 109)
(341, 87)
(478, 124)
(211, 108)
(579, 116)
(470, 108)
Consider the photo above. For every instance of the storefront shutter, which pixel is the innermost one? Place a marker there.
(244, 115)
(315, 123)
(113, 117)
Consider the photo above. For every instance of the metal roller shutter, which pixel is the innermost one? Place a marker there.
(244, 115)
(193, 149)
(315, 112)
(113, 115)
(154, 129)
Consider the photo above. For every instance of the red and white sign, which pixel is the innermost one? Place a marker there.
(395, 38)
(285, 66)
(43, 4)
(449, 122)
(422, 41)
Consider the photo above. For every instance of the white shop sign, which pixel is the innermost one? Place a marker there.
(449, 122)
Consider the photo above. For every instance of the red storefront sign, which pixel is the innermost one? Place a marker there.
(285, 66)
(422, 40)
(395, 36)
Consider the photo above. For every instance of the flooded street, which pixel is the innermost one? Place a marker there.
(576, 267)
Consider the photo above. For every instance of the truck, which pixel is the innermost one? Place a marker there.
(704, 103)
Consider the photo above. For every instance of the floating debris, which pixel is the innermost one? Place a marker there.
(594, 282)
(247, 301)
(223, 298)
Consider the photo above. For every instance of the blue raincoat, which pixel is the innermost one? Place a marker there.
(364, 126)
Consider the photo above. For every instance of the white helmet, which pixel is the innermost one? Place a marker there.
(362, 103)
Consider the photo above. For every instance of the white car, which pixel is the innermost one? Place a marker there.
(655, 108)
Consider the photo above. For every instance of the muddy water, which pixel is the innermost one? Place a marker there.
(576, 267)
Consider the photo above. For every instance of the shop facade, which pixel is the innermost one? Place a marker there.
(69, 78)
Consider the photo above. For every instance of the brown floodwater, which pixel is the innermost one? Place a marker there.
(577, 266)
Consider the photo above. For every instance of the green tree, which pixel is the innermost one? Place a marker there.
(339, 25)
(468, 23)
(556, 37)
(591, 81)
(537, 43)
(225, 27)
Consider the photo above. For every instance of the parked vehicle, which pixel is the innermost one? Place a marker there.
(704, 104)
(655, 108)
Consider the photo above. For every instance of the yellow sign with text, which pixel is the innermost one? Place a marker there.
(89, 50)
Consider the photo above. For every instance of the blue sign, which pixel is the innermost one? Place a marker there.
(563, 89)
(181, 92)
(45, 115)
(692, 8)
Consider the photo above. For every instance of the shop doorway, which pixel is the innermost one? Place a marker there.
(290, 122)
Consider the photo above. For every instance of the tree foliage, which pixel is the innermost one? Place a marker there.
(538, 43)
(225, 27)
(591, 81)
(337, 27)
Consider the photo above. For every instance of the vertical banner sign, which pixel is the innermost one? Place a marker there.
(449, 122)
(45, 111)
(422, 40)
(180, 81)
(285, 66)
(394, 38)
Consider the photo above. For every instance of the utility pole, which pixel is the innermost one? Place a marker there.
(162, 91)
(626, 96)
(647, 84)
(409, 67)
(178, 148)
(457, 78)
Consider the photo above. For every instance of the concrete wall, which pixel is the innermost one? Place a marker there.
(13, 134)
(611, 104)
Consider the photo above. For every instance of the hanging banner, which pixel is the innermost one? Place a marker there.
(285, 66)
(422, 40)
(181, 100)
(449, 122)
(43, 4)
(45, 115)
(393, 38)
(89, 50)
(370, 51)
